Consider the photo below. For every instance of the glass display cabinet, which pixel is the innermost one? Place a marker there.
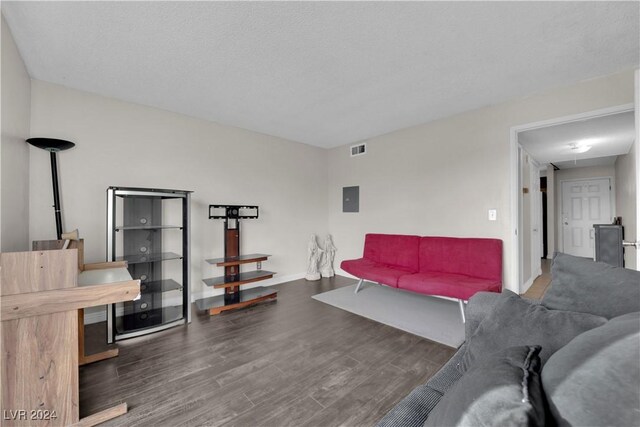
(149, 229)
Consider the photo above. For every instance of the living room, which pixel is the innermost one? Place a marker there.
(260, 104)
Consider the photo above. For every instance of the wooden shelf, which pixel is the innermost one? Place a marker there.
(237, 260)
(220, 303)
(238, 279)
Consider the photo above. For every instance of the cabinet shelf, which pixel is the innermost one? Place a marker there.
(147, 319)
(237, 260)
(144, 258)
(238, 279)
(159, 193)
(147, 227)
(160, 286)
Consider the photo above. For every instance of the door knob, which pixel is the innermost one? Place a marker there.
(635, 244)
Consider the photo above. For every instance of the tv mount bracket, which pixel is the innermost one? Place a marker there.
(233, 212)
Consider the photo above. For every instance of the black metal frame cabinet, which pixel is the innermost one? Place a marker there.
(149, 229)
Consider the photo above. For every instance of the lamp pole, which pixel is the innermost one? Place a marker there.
(53, 146)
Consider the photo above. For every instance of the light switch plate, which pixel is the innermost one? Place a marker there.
(493, 214)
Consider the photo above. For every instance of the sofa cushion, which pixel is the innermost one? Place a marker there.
(515, 321)
(481, 258)
(580, 284)
(504, 390)
(447, 284)
(374, 271)
(395, 250)
(595, 379)
(479, 306)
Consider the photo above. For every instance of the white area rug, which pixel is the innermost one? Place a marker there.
(433, 318)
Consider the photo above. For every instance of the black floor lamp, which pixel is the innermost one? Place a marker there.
(53, 146)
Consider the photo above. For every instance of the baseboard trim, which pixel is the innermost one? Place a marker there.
(527, 284)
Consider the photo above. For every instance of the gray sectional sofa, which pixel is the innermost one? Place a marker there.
(571, 359)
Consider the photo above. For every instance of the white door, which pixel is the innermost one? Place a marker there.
(584, 203)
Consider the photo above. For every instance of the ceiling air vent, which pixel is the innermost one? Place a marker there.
(359, 149)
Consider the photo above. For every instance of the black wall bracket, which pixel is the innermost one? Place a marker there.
(233, 212)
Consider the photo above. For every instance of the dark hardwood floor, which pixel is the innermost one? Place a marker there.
(291, 362)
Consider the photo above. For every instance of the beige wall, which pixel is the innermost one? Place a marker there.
(626, 202)
(123, 144)
(14, 151)
(440, 178)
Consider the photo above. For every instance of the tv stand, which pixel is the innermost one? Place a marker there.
(233, 297)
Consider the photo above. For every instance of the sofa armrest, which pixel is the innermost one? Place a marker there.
(478, 307)
(413, 410)
(481, 304)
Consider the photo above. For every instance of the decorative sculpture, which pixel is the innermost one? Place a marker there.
(329, 254)
(313, 257)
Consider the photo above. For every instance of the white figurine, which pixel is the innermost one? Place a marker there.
(326, 268)
(313, 257)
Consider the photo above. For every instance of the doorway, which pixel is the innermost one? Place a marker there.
(575, 149)
(584, 203)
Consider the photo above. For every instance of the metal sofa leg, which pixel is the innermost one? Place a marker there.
(358, 287)
(461, 304)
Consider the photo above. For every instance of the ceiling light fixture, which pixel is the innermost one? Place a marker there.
(579, 148)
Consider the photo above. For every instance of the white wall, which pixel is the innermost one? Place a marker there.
(626, 201)
(526, 206)
(123, 144)
(440, 178)
(14, 151)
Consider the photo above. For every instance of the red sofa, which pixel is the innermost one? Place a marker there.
(448, 267)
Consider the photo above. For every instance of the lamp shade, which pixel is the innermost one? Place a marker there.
(51, 144)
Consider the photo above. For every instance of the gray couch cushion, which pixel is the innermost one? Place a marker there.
(503, 390)
(595, 379)
(579, 284)
(413, 410)
(477, 308)
(515, 321)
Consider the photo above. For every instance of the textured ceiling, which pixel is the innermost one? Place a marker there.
(322, 73)
(608, 136)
